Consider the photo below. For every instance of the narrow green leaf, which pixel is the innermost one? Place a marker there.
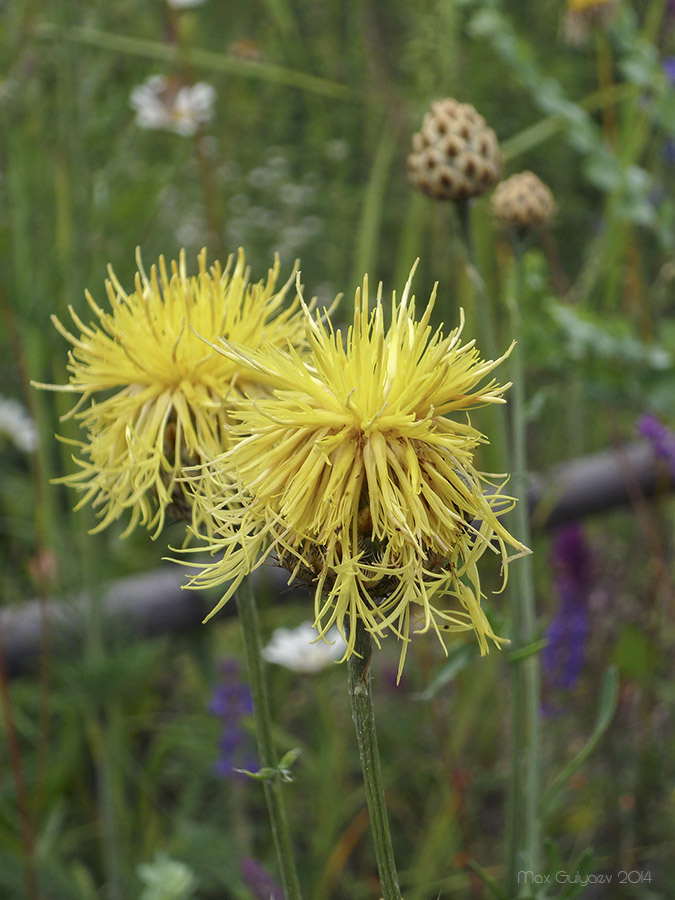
(488, 880)
(457, 660)
(288, 759)
(582, 868)
(609, 693)
(370, 224)
(204, 59)
(555, 862)
(528, 650)
(267, 773)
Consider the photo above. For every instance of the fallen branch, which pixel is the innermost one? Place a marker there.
(153, 603)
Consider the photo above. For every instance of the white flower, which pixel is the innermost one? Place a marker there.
(166, 879)
(17, 425)
(165, 104)
(301, 650)
(184, 4)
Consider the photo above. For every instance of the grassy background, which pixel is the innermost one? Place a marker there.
(306, 156)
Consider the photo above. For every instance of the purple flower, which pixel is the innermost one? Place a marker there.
(231, 703)
(259, 881)
(660, 437)
(231, 700)
(669, 68)
(564, 653)
(572, 561)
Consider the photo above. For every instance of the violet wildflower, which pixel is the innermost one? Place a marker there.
(660, 437)
(669, 71)
(563, 657)
(231, 702)
(259, 881)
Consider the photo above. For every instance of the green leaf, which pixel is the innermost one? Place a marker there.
(528, 650)
(457, 660)
(282, 770)
(589, 338)
(583, 867)
(488, 880)
(641, 65)
(204, 59)
(609, 693)
(633, 654)
(267, 773)
(555, 862)
(285, 763)
(602, 169)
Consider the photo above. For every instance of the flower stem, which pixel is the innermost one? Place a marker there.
(26, 826)
(364, 722)
(495, 416)
(248, 617)
(525, 830)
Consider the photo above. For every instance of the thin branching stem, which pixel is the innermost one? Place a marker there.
(364, 723)
(525, 826)
(248, 617)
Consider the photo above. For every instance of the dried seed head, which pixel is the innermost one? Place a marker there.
(523, 201)
(455, 155)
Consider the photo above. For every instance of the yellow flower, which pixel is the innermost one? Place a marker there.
(153, 396)
(581, 5)
(359, 475)
(583, 15)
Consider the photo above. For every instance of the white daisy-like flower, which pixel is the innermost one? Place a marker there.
(166, 879)
(17, 425)
(301, 650)
(167, 105)
(184, 4)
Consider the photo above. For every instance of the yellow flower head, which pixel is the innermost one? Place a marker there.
(583, 15)
(359, 476)
(582, 5)
(153, 396)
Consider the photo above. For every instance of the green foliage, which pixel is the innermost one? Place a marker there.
(305, 156)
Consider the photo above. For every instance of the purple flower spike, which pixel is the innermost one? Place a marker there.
(259, 881)
(231, 702)
(660, 437)
(563, 657)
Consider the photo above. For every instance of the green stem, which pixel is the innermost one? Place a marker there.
(25, 822)
(364, 722)
(212, 208)
(525, 831)
(248, 617)
(481, 300)
(494, 416)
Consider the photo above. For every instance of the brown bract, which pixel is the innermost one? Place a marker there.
(523, 201)
(455, 155)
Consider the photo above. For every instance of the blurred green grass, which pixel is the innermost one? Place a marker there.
(305, 155)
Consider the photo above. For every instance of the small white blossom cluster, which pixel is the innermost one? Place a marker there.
(17, 425)
(300, 650)
(165, 105)
(276, 211)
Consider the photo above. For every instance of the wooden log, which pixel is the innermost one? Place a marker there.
(153, 603)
